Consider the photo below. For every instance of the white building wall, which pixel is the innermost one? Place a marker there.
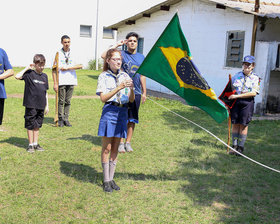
(205, 28)
(266, 54)
(270, 30)
(30, 27)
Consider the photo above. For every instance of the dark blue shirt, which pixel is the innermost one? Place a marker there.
(130, 64)
(4, 65)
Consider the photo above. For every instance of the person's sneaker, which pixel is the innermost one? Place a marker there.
(121, 148)
(231, 152)
(67, 124)
(107, 187)
(38, 148)
(240, 149)
(60, 123)
(128, 147)
(30, 149)
(114, 185)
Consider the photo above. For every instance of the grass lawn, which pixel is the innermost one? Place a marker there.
(176, 174)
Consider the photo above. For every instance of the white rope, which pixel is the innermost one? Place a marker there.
(254, 161)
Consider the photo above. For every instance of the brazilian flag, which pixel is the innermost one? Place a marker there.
(170, 63)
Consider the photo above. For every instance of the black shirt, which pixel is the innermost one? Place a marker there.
(36, 86)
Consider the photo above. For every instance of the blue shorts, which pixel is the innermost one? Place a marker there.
(113, 122)
(33, 118)
(133, 109)
(242, 111)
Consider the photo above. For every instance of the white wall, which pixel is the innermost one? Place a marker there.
(30, 27)
(205, 28)
(271, 30)
(266, 54)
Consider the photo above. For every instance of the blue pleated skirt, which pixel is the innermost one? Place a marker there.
(113, 122)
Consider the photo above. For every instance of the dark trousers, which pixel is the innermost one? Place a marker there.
(64, 101)
(2, 102)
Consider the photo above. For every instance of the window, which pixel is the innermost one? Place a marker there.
(235, 48)
(85, 31)
(140, 46)
(108, 34)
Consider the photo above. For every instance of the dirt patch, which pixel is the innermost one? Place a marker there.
(53, 96)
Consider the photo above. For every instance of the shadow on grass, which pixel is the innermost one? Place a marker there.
(49, 120)
(236, 190)
(81, 172)
(96, 140)
(16, 141)
(86, 173)
(93, 76)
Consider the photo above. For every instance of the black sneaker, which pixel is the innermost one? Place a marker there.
(38, 148)
(240, 149)
(30, 149)
(107, 187)
(67, 123)
(60, 123)
(231, 152)
(114, 185)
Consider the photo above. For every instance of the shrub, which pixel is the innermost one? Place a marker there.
(92, 64)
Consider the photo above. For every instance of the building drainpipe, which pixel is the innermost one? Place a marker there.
(255, 25)
(96, 36)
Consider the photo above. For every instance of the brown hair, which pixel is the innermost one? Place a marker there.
(39, 58)
(108, 56)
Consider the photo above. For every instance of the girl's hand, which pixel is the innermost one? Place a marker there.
(126, 83)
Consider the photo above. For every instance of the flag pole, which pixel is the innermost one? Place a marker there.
(56, 93)
(229, 123)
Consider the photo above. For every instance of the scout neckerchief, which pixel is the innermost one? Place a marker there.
(66, 55)
(245, 80)
(118, 94)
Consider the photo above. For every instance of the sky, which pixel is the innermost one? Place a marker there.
(113, 11)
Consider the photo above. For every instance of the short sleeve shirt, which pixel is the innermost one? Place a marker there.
(130, 64)
(246, 84)
(67, 77)
(4, 65)
(36, 86)
(107, 81)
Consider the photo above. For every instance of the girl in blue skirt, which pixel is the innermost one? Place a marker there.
(115, 89)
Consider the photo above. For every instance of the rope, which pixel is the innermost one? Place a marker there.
(204, 129)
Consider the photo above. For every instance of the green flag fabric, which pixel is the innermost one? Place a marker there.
(169, 63)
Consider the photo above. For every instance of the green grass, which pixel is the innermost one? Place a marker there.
(87, 81)
(176, 174)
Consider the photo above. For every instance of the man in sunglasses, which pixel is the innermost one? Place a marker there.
(67, 79)
(247, 85)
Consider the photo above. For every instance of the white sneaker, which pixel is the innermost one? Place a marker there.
(128, 147)
(121, 148)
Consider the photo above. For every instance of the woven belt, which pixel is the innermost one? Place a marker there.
(117, 104)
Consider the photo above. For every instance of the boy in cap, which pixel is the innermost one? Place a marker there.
(246, 83)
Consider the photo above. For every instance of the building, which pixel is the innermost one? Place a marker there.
(30, 27)
(219, 34)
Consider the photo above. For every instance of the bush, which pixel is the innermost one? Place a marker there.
(92, 64)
